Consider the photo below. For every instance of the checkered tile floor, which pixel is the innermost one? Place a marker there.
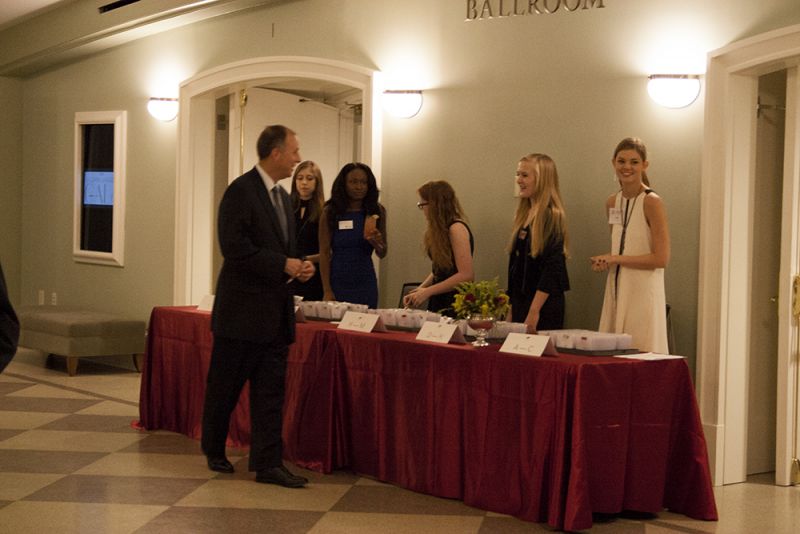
(71, 463)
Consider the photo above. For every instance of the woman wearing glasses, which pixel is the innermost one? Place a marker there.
(448, 243)
(537, 269)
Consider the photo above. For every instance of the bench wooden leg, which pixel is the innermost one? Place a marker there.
(137, 361)
(72, 365)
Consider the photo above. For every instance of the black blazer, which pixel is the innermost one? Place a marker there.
(253, 301)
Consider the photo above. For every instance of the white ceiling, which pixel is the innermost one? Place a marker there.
(12, 10)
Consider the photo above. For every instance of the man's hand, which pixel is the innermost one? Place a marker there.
(307, 270)
(293, 267)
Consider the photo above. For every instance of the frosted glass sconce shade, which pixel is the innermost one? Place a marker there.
(403, 104)
(163, 109)
(673, 90)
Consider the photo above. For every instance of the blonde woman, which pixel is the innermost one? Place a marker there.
(308, 200)
(449, 244)
(537, 270)
(634, 300)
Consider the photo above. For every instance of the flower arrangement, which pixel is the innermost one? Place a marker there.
(480, 298)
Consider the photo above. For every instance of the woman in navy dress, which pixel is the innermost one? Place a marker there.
(308, 200)
(352, 226)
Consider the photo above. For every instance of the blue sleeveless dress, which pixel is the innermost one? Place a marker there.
(352, 273)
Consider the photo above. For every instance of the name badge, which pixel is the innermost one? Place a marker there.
(528, 345)
(614, 216)
(440, 333)
(362, 322)
(346, 225)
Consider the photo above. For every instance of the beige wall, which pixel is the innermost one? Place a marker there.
(569, 84)
(11, 182)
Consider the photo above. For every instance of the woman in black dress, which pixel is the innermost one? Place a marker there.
(308, 199)
(537, 269)
(448, 243)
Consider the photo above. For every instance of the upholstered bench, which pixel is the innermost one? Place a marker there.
(75, 333)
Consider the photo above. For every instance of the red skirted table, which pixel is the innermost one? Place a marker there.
(549, 439)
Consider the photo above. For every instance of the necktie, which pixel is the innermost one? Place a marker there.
(277, 203)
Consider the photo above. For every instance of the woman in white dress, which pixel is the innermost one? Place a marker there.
(634, 300)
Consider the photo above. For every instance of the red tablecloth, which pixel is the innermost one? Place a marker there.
(543, 439)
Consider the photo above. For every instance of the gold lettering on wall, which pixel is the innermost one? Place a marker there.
(489, 9)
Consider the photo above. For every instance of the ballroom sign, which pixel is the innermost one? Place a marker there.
(489, 9)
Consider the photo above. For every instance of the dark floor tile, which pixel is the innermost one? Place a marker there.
(92, 423)
(511, 525)
(119, 490)
(8, 433)
(38, 404)
(393, 500)
(59, 462)
(216, 520)
(12, 387)
(165, 444)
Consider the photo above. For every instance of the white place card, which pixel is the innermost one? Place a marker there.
(299, 316)
(529, 345)
(206, 303)
(440, 333)
(362, 322)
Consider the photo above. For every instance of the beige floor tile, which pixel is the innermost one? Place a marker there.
(365, 481)
(111, 408)
(16, 486)
(27, 517)
(249, 494)
(27, 420)
(149, 465)
(49, 392)
(5, 377)
(60, 440)
(352, 523)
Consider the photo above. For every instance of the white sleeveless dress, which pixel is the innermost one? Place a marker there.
(634, 301)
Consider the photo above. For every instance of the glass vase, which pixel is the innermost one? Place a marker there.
(481, 324)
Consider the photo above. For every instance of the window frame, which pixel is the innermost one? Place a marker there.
(117, 254)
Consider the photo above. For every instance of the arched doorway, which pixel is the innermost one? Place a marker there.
(194, 230)
(725, 242)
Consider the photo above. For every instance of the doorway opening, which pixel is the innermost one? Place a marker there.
(201, 160)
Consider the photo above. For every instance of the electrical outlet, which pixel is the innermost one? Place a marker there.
(41, 297)
(53, 298)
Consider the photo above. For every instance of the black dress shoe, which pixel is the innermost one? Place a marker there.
(280, 476)
(220, 464)
(292, 475)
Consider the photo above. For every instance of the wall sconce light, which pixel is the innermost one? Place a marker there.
(673, 90)
(403, 104)
(163, 109)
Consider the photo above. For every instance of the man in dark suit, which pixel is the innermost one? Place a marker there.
(9, 326)
(253, 314)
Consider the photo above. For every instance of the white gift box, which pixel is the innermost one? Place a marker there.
(596, 341)
(337, 310)
(388, 316)
(624, 341)
(358, 308)
(309, 308)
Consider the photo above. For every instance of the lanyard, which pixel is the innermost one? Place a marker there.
(626, 219)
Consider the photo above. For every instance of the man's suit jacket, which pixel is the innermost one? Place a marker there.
(253, 301)
(9, 326)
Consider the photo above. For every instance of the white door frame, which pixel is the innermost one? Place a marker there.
(194, 227)
(728, 179)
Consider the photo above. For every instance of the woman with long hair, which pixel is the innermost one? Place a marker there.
(449, 244)
(352, 227)
(308, 200)
(634, 301)
(537, 270)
